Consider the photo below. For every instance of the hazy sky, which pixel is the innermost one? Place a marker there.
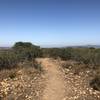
(50, 22)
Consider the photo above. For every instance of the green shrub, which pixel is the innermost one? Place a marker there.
(95, 83)
(88, 56)
(21, 52)
(8, 60)
(26, 50)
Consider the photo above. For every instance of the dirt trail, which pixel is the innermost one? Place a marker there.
(55, 82)
(63, 84)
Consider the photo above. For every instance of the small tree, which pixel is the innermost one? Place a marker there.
(26, 50)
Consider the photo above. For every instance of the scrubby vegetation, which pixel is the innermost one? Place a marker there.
(95, 83)
(8, 59)
(89, 56)
(26, 51)
(24, 54)
(86, 58)
(20, 73)
(21, 52)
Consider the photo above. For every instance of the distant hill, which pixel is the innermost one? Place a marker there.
(85, 46)
(4, 48)
(95, 46)
(74, 46)
(60, 46)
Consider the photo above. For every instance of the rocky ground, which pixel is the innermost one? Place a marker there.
(22, 84)
(55, 83)
(77, 84)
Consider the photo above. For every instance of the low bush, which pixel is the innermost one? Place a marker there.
(88, 56)
(21, 52)
(8, 60)
(95, 83)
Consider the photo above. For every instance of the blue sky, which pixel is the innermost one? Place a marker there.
(50, 22)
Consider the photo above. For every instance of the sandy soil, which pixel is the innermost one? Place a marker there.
(55, 87)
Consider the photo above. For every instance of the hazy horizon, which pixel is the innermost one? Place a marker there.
(55, 45)
(50, 22)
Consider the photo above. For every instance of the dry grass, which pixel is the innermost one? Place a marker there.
(79, 76)
(24, 83)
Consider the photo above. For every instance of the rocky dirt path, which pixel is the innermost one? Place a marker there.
(63, 84)
(55, 88)
(56, 82)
